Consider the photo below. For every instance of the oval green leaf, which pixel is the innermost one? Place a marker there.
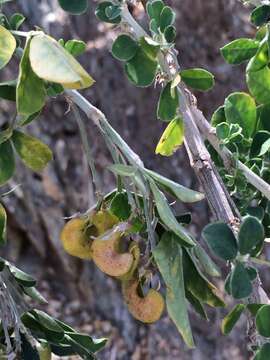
(240, 50)
(33, 153)
(168, 103)
(221, 240)
(251, 235)
(51, 62)
(7, 46)
(198, 79)
(240, 108)
(240, 284)
(124, 48)
(75, 7)
(263, 321)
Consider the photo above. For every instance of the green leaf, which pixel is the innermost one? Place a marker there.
(256, 211)
(28, 350)
(101, 13)
(7, 162)
(168, 103)
(113, 11)
(170, 34)
(122, 170)
(223, 131)
(179, 191)
(198, 285)
(8, 90)
(124, 48)
(252, 273)
(260, 15)
(263, 112)
(168, 256)
(21, 277)
(196, 304)
(7, 46)
(240, 108)
(51, 62)
(168, 217)
(240, 283)
(198, 79)
(172, 138)
(3, 225)
(75, 7)
(263, 353)
(48, 324)
(263, 321)
(221, 240)
(120, 206)
(75, 47)
(33, 153)
(260, 60)
(265, 147)
(206, 262)
(30, 97)
(258, 140)
(154, 10)
(34, 294)
(218, 117)
(251, 235)
(259, 84)
(167, 17)
(16, 21)
(231, 319)
(141, 69)
(92, 345)
(240, 50)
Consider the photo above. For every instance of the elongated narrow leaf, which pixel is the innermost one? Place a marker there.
(7, 46)
(122, 170)
(22, 278)
(172, 138)
(33, 153)
(34, 294)
(7, 162)
(168, 217)
(196, 304)
(3, 225)
(168, 256)
(206, 262)
(231, 319)
(179, 191)
(198, 285)
(30, 95)
(51, 62)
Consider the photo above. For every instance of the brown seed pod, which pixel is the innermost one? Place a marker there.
(106, 253)
(146, 309)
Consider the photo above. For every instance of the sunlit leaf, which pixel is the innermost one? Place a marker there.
(51, 62)
(172, 138)
(7, 46)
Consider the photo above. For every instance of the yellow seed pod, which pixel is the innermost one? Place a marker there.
(146, 309)
(76, 237)
(106, 253)
(103, 220)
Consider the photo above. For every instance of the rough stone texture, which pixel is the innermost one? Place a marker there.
(37, 207)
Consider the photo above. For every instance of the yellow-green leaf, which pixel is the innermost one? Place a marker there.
(33, 153)
(172, 138)
(3, 225)
(30, 93)
(7, 46)
(51, 62)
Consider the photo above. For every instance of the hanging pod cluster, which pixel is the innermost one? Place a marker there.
(100, 236)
